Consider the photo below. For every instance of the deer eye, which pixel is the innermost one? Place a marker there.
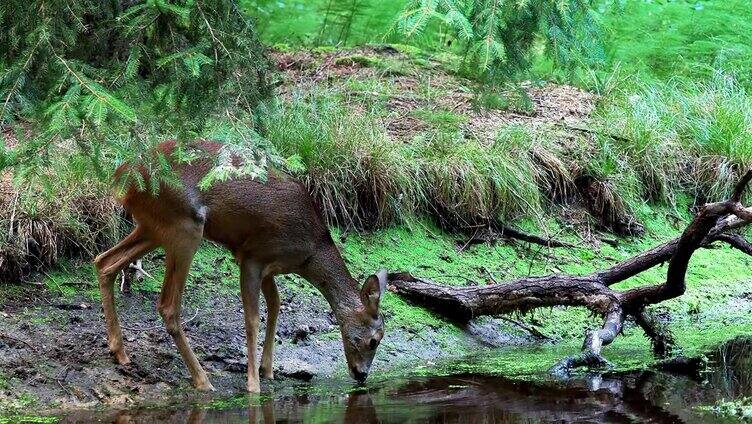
(374, 344)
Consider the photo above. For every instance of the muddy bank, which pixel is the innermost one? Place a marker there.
(613, 397)
(53, 350)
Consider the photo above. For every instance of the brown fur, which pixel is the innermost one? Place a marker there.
(271, 227)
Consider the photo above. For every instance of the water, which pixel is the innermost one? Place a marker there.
(646, 396)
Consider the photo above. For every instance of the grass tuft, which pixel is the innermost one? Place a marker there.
(349, 164)
(51, 215)
(682, 135)
(467, 182)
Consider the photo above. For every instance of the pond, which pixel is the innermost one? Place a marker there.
(642, 396)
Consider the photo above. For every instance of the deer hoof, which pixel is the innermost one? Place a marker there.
(121, 357)
(205, 386)
(267, 373)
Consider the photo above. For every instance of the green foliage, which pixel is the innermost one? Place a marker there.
(322, 22)
(444, 120)
(363, 178)
(657, 40)
(740, 408)
(512, 98)
(497, 37)
(346, 159)
(105, 79)
(682, 135)
(466, 181)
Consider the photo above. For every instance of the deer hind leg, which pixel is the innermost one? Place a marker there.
(271, 295)
(180, 247)
(250, 289)
(108, 265)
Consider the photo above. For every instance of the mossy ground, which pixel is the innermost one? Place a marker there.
(715, 307)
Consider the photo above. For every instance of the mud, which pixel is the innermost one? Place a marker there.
(53, 349)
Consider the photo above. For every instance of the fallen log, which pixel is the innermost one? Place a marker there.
(712, 223)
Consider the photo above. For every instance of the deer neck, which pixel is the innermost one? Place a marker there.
(328, 272)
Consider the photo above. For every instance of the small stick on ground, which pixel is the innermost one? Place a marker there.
(14, 339)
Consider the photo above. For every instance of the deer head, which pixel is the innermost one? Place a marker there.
(363, 328)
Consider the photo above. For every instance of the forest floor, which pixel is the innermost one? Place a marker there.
(418, 91)
(53, 353)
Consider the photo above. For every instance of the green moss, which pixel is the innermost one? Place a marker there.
(70, 278)
(732, 410)
(356, 59)
(715, 277)
(18, 403)
(408, 50)
(711, 311)
(240, 401)
(323, 49)
(282, 47)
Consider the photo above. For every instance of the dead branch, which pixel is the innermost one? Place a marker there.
(532, 238)
(711, 223)
(495, 230)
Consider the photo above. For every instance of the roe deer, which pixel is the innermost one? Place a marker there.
(271, 228)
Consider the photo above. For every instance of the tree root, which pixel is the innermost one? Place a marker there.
(712, 223)
(660, 336)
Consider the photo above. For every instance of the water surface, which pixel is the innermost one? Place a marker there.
(644, 396)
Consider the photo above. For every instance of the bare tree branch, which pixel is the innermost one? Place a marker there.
(712, 223)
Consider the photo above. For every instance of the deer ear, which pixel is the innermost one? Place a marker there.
(372, 291)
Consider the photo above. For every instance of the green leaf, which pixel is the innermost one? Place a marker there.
(96, 110)
(133, 63)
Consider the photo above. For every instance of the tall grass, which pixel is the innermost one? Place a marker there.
(358, 174)
(662, 39)
(466, 181)
(654, 142)
(683, 135)
(362, 177)
(51, 215)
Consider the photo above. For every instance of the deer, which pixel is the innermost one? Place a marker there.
(271, 227)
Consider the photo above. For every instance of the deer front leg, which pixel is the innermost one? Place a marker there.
(179, 256)
(250, 289)
(271, 294)
(108, 265)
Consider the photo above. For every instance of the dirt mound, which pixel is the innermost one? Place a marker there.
(416, 82)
